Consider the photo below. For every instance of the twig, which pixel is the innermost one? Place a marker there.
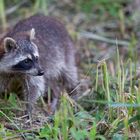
(90, 35)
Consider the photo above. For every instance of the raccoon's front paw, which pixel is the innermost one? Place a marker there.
(54, 104)
(50, 109)
(28, 112)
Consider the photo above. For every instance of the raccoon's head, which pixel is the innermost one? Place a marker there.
(21, 55)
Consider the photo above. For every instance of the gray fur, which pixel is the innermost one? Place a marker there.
(51, 42)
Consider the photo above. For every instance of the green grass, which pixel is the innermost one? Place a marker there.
(2, 15)
(41, 6)
(117, 116)
(101, 7)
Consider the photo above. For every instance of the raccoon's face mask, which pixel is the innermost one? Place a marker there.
(29, 65)
(22, 57)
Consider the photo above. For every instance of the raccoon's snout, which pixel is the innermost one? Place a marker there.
(36, 72)
(39, 69)
(40, 72)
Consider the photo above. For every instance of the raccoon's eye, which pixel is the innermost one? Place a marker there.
(28, 60)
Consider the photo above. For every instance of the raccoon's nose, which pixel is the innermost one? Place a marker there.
(40, 72)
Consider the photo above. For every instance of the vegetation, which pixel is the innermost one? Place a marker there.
(108, 105)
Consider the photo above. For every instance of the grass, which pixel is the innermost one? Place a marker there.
(2, 15)
(116, 115)
(41, 6)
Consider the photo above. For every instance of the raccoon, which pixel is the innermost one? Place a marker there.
(39, 52)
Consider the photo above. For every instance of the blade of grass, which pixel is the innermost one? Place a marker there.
(122, 125)
(2, 14)
(106, 85)
(41, 6)
(13, 124)
(96, 83)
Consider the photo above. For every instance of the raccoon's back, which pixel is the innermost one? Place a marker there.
(45, 28)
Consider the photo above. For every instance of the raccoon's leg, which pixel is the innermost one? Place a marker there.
(35, 87)
(4, 83)
(70, 79)
(56, 90)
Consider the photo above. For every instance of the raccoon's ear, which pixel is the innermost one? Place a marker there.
(9, 44)
(32, 34)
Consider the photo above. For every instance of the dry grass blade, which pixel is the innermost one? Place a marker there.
(96, 37)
